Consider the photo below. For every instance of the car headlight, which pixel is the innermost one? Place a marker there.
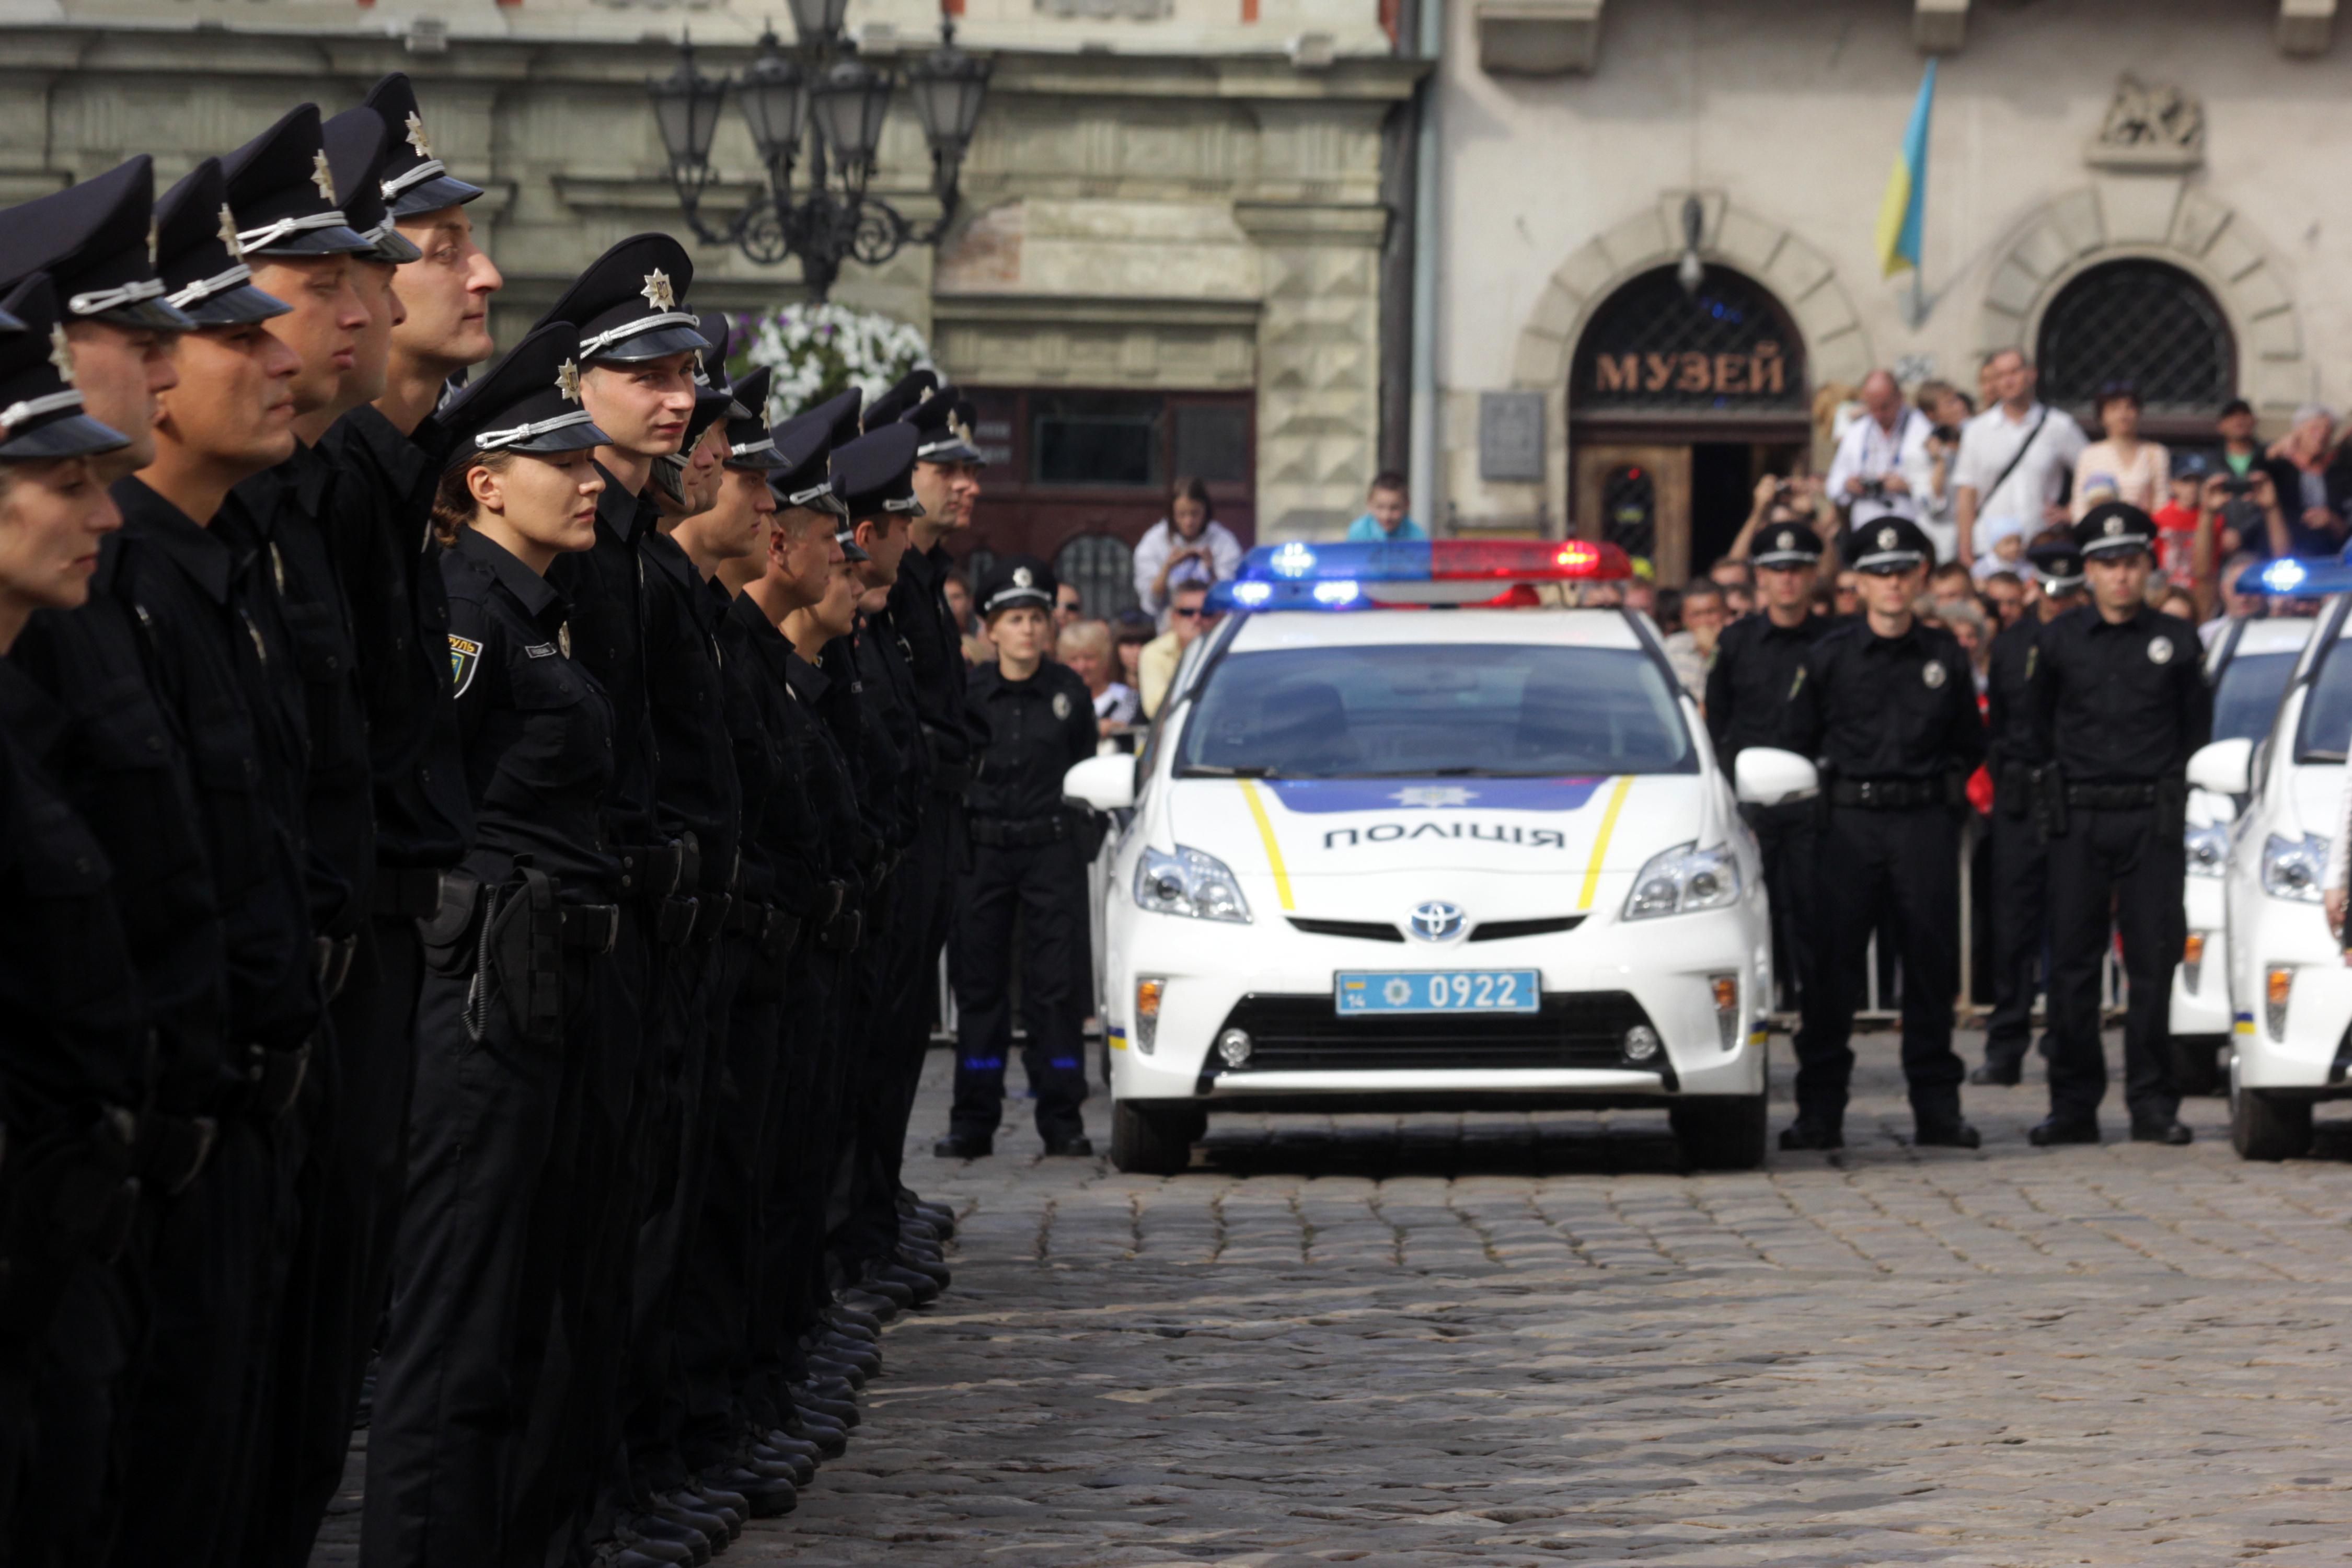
(1684, 880)
(2208, 848)
(2294, 867)
(1188, 883)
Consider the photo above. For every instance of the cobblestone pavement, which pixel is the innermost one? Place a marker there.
(1492, 1340)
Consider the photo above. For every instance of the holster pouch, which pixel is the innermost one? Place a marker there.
(521, 959)
(2050, 802)
(173, 1150)
(2172, 808)
(273, 1078)
(844, 931)
(332, 955)
(2013, 791)
(1093, 827)
(449, 932)
(72, 1194)
(674, 920)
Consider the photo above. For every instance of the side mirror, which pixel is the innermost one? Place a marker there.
(1765, 776)
(1107, 783)
(2225, 767)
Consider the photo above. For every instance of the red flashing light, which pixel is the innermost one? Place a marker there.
(1526, 561)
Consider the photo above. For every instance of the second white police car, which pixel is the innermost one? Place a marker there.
(1389, 856)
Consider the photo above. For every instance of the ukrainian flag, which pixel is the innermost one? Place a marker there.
(1903, 212)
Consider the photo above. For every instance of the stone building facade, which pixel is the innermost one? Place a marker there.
(2128, 187)
(1171, 210)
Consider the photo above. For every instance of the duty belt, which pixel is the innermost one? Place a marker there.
(1889, 795)
(2111, 797)
(405, 892)
(1019, 832)
(658, 870)
(775, 931)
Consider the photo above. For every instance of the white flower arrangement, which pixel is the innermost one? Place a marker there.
(818, 349)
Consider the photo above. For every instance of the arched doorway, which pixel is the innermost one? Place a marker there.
(1678, 401)
(2150, 324)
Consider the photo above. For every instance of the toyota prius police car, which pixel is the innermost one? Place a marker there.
(1403, 839)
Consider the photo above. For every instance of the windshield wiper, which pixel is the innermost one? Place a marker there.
(1218, 771)
(1456, 772)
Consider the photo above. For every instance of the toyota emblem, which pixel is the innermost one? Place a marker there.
(1437, 920)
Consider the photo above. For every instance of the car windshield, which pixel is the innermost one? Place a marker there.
(2246, 701)
(2328, 712)
(1449, 709)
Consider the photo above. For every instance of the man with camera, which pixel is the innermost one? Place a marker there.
(1883, 464)
(2015, 460)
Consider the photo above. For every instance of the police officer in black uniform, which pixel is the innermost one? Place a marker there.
(519, 988)
(1028, 861)
(2019, 882)
(2118, 704)
(1747, 687)
(1888, 706)
(81, 1029)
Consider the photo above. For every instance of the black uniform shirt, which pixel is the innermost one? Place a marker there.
(281, 515)
(872, 759)
(1886, 708)
(383, 544)
(695, 788)
(1039, 729)
(217, 670)
(2010, 666)
(919, 607)
(884, 670)
(792, 794)
(100, 731)
(536, 726)
(2119, 704)
(1756, 663)
(605, 586)
(828, 771)
(76, 1032)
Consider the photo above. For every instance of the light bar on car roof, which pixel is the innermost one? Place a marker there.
(1438, 560)
(2289, 577)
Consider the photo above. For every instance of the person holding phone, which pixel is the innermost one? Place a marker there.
(1188, 545)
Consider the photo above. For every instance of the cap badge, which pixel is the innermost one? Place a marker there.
(154, 238)
(2160, 650)
(1023, 577)
(962, 431)
(1934, 674)
(1061, 705)
(1788, 541)
(2114, 526)
(416, 137)
(1886, 539)
(567, 380)
(658, 290)
(323, 177)
(61, 353)
(228, 233)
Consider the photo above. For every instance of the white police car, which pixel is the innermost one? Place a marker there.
(2249, 666)
(2291, 995)
(1385, 857)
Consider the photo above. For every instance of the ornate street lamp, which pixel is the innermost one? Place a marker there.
(830, 105)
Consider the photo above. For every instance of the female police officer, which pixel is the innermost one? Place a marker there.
(1026, 858)
(513, 954)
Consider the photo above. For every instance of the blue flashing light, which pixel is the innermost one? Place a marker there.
(2289, 578)
(2284, 575)
(1337, 594)
(1295, 559)
(1252, 596)
(1226, 598)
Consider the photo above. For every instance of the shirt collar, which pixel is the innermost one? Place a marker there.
(1873, 643)
(534, 593)
(403, 458)
(205, 558)
(618, 513)
(2099, 623)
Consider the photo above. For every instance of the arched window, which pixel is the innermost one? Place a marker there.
(2147, 324)
(1103, 569)
(1653, 348)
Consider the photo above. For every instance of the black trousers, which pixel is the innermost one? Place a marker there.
(2019, 897)
(349, 1194)
(791, 1288)
(208, 1265)
(718, 1286)
(1897, 872)
(66, 1439)
(1045, 888)
(475, 1274)
(1789, 839)
(2120, 870)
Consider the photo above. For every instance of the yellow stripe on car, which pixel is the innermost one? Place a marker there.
(1601, 840)
(1265, 833)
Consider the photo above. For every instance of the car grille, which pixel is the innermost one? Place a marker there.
(1503, 931)
(1303, 1034)
(1367, 931)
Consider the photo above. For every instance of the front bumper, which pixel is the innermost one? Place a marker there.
(2200, 990)
(1597, 981)
(2304, 1043)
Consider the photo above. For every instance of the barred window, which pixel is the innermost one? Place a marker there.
(2143, 322)
(1653, 348)
(1629, 509)
(1102, 568)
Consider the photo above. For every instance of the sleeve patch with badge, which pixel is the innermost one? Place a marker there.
(465, 658)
